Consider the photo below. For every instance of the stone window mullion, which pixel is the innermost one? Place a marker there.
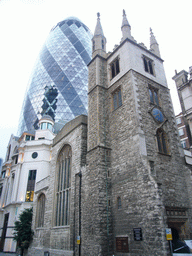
(63, 192)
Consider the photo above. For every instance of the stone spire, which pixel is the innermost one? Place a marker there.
(125, 28)
(154, 47)
(98, 28)
(99, 40)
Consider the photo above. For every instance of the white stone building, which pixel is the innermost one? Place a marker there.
(27, 163)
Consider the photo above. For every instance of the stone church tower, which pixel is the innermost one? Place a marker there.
(136, 184)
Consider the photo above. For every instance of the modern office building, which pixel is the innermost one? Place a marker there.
(182, 131)
(183, 82)
(184, 88)
(58, 83)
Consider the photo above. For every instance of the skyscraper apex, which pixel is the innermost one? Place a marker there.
(58, 83)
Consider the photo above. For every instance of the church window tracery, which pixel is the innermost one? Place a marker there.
(115, 68)
(148, 65)
(63, 189)
(117, 98)
(153, 94)
(162, 141)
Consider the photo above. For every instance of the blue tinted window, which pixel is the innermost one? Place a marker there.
(73, 38)
(62, 64)
(79, 47)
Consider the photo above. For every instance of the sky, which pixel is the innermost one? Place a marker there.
(25, 25)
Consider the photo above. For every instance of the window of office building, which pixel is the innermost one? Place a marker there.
(178, 120)
(30, 186)
(3, 174)
(181, 132)
(183, 144)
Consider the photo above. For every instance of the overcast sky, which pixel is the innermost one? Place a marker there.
(25, 25)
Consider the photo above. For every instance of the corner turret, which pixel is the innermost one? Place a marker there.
(125, 27)
(154, 47)
(99, 40)
(46, 124)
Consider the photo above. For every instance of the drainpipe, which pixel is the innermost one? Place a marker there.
(80, 180)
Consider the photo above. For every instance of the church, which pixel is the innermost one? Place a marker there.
(112, 182)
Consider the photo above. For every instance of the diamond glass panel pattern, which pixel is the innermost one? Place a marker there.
(58, 83)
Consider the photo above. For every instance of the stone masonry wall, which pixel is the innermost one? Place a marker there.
(170, 170)
(61, 240)
(96, 215)
(141, 205)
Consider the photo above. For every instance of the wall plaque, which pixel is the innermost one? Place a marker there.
(137, 234)
(122, 244)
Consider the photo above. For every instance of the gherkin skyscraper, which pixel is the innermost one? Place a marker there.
(58, 83)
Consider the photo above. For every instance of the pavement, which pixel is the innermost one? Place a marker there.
(7, 254)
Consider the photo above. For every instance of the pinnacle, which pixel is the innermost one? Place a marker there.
(125, 21)
(98, 29)
(152, 38)
(125, 27)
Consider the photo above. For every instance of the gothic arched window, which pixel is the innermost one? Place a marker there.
(8, 153)
(115, 67)
(148, 65)
(162, 141)
(63, 188)
(153, 93)
(40, 210)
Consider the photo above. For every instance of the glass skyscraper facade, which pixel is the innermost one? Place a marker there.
(59, 81)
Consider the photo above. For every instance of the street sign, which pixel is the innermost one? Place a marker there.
(168, 234)
(78, 240)
(137, 234)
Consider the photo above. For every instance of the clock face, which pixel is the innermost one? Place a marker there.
(157, 114)
(34, 155)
